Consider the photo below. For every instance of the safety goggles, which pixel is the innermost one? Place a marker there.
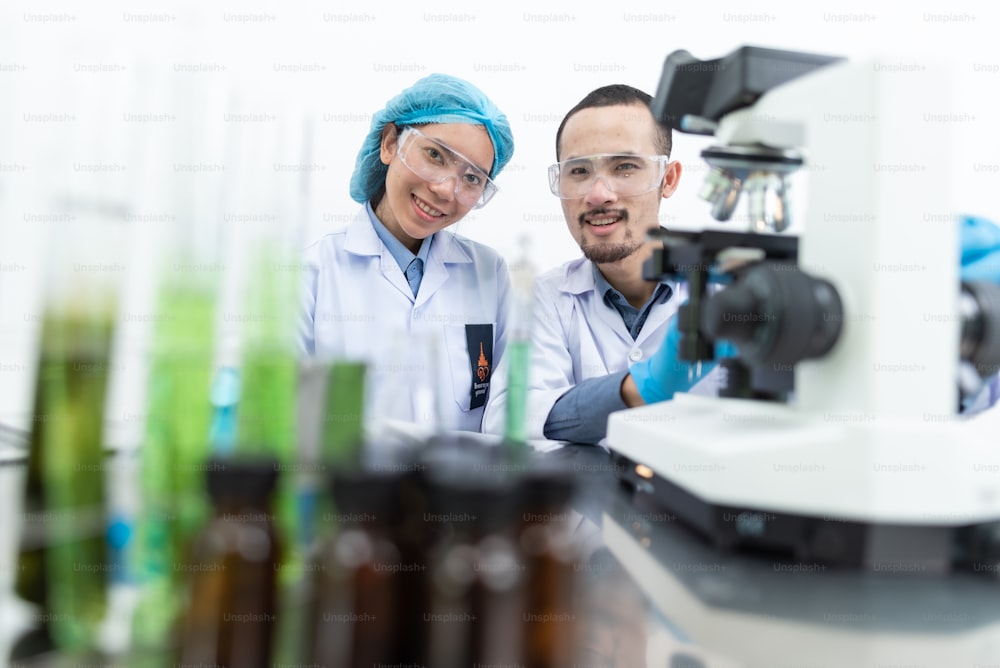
(436, 163)
(626, 175)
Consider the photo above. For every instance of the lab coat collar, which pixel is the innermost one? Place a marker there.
(445, 250)
(362, 240)
(400, 253)
(579, 277)
(578, 280)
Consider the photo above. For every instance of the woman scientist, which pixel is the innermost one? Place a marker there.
(423, 307)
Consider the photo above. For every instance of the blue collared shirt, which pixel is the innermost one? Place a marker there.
(581, 415)
(411, 265)
(634, 318)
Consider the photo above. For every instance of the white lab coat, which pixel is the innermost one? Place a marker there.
(358, 305)
(577, 336)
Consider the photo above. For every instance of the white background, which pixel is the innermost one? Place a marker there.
(100, 103)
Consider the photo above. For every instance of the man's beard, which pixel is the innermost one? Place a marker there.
(601, 253)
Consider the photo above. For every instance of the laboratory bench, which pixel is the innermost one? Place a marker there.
(653, 593)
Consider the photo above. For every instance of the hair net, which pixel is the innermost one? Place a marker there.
(437, 98)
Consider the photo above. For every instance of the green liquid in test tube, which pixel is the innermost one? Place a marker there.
(266, 414)
(343, 419)
(341, 430)
(173, 455)
(63, 561)
(519, 355)
(518, 351)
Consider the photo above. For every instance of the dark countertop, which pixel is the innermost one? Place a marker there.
(656, 594)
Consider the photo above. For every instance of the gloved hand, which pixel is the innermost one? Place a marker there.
(980, 249)
(662, 375)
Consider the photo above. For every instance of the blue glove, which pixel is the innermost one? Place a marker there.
(980, 249)
(662, 375)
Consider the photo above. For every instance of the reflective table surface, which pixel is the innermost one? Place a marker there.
(654, 594)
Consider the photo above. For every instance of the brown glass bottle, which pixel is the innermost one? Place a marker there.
(232, 611)
(546, 545)
(473, 608)
(499, 595)
(355, 613)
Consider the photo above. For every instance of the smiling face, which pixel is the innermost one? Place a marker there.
(413, 209)
(607, 226)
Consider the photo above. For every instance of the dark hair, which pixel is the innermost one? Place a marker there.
(377, 197)
(613, 95)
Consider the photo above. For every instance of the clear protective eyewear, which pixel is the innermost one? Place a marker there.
(436, 163)
(625, 175)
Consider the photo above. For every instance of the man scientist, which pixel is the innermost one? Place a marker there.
(604, 338)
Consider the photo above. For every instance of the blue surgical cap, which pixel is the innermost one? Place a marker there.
(437, 98)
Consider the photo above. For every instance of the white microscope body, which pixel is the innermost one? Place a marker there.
(872, 438)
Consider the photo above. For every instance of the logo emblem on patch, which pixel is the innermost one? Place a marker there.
(483, 367)
(479, 368)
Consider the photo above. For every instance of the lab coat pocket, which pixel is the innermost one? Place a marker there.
(470, 357)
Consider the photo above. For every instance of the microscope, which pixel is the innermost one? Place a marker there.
(838, 437)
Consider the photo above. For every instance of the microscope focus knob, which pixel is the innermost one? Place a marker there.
(980, 335)
(733, 313)
(776, 314)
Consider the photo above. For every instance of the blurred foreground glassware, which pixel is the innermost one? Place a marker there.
(63, 562)
(232, 612)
